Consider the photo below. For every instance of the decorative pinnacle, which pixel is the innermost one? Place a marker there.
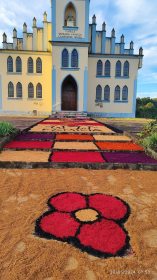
(131, 45)
(94, 19)
(113, 32)
(24, 28)
(34, 22)
(122, 39)
(14, 33)
(104, 26)
(4, 37)
(141, 51)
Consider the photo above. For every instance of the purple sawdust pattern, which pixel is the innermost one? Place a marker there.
(133, 157)
(36, 136)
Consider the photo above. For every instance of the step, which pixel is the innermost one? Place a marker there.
(70, 114)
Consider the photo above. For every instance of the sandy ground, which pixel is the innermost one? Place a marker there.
(24, 194)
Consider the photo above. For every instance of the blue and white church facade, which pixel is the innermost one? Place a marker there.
(67, 65)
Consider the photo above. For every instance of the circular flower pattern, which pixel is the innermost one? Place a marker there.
(93, 223)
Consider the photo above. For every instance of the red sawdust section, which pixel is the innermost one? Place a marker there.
(116, 146)
(29, 145)
(24, 194)
(90, 157)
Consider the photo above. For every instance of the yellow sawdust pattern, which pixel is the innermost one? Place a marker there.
(87, 215)
(75, 146)
(112, 138)
(24, 156)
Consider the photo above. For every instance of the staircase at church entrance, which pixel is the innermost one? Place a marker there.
(69, 114)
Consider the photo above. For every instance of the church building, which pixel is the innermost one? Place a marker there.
(68, 65)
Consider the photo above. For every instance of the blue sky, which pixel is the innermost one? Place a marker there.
(136, 19)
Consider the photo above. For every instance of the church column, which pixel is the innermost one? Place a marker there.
(113, 40)
(103, 43)
(131, 47)
(14, 39)
(4, 41)
(85, 98)
(94, 34)
(24, 36)
(122, 44)
(45, 32)
(54, 89)
(34, 34)
(0, 92)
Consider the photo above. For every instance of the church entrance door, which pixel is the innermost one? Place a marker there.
(69, 95)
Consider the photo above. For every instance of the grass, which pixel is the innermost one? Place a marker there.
(6, 129)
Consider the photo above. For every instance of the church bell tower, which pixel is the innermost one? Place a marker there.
(70, 20)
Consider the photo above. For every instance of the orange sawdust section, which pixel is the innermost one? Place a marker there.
(24, 194)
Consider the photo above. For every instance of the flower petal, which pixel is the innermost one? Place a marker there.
(68, 202)
(105, 237)
(110, 207)
(59, 225)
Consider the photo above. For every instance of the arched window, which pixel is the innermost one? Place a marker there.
(125, 93)
(107, 68)
(98, 93)
(99, 68)
(65, 58)
(117, 93)
(107, 93)
(126, 69)
(30, 65)
(18, 65)
(10, 90)
(39, 91)
(74, 59)
(30, 90)
(19, 90)
(118, 69)
(9, 64)
(70, 15)
(39, 65)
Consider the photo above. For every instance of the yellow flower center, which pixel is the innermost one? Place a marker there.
(87, 215)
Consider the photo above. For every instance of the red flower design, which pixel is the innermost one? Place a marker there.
(93, 223)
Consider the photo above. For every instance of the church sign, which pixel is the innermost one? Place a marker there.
(70, 34)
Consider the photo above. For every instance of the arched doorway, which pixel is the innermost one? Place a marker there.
(69, 95)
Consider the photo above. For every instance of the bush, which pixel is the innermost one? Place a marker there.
(151, 142)
(6, 129)
(148, 136)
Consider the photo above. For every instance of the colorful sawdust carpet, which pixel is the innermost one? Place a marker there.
(92, 223)
(74, 140)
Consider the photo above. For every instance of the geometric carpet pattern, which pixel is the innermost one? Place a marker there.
(73, 140)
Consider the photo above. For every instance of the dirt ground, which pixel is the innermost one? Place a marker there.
(132, 126)
(21, 122)
(24, 194)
